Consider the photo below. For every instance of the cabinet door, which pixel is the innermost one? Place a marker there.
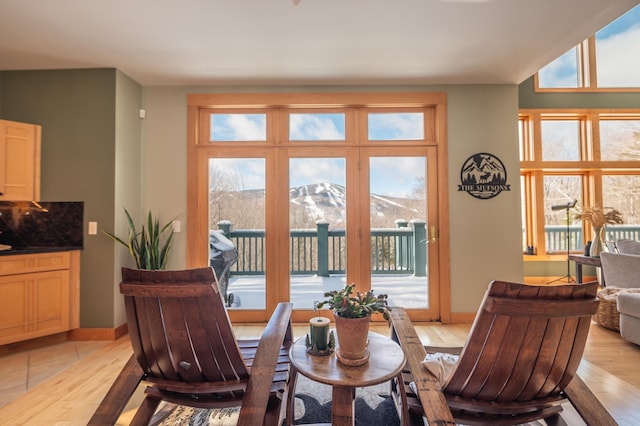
(14, 308)
(33, 305)
(19, 161)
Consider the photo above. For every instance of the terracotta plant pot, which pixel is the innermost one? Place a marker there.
(353, 337)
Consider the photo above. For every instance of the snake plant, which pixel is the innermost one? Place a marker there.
(146, 247)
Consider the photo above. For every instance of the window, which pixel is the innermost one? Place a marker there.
(617, 48)
(562, 72)
(605, 61)
(316, 127)
(560, 140)
(238, 127)
(592, 157)
(315, 191)
(396, 126)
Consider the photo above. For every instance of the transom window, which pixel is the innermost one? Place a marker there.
(603, 62)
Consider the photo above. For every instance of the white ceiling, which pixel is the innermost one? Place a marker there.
(273, 42)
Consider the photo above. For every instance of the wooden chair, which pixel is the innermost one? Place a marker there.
(185, 348)
(518, 364)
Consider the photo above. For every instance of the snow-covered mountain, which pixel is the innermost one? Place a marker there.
(310, 203)
(327, 201)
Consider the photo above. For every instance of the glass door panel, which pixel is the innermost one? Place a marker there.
(317, 234)
(399, 232)
(237, 223)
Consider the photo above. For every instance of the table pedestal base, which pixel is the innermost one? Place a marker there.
(343, 406)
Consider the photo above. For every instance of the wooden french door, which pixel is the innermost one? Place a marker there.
(385, 164)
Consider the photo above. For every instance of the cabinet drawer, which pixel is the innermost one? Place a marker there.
(25, 263)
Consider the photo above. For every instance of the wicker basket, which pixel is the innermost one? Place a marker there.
(608, 315)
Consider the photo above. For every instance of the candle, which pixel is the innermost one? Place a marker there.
(319, 332)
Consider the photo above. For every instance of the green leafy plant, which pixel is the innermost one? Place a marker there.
(348, 303)
(146, 246)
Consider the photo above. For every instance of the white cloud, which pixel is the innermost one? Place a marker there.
(313, 127)
(562, 72)
(246, 128)
(396, 126)
(396, 176)
(619, 59)
(304, 171)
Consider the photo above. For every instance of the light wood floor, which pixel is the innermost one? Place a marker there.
(609, 367)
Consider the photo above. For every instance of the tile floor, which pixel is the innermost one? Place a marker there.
(22, 368)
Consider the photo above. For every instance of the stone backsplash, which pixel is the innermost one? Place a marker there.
(26, 224)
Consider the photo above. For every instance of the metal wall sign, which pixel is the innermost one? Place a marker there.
(483, 176)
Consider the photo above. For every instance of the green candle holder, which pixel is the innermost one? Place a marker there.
(312, 348)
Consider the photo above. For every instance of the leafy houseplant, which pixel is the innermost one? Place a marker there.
(146, 246)
(346, 304)
(352, 314)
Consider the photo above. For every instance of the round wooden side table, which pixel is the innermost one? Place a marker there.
(386, 361)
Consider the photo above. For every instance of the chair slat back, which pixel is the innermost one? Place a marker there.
(526, 342)
(179, 327)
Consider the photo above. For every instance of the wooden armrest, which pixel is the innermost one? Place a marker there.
(443, 349)
(433, 401)
(254, 404)
(586, 404)
(118, 395)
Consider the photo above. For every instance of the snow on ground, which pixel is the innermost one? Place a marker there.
(403, 290)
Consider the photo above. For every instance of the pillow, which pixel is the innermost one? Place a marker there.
(441, 365)
(628, 246)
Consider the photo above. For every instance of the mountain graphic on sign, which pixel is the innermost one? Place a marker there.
(483, 169)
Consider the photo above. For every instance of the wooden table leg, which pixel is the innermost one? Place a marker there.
(578, 273)
(343, 406)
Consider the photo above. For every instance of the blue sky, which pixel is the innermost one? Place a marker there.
(618, 57)
(393, 176)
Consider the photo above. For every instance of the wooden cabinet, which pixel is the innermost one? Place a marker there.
(39, 295)
(19, 161)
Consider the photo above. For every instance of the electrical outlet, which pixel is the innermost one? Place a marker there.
(93, 228)
(176, 225)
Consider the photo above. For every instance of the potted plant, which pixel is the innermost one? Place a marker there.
(352, 313)
(146, 247)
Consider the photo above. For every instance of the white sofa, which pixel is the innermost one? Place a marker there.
(629, 308)
(628, 246)
(622, 270)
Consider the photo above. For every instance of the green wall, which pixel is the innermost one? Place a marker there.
(128, 176)
(97, 150)
(77, 110)
(528, 98)
(485, 235)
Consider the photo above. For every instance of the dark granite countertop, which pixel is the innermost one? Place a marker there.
(33, 250)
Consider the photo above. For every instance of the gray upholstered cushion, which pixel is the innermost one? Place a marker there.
(621, 270)
(629, 303)
(629, 307)
(628, 246)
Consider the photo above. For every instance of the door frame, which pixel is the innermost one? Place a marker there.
(199, 149)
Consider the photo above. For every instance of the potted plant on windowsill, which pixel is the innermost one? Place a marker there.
(352, 313)
(146, 247)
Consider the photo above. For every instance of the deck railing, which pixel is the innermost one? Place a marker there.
(399, 250)
(556, 236)
(322, 251)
